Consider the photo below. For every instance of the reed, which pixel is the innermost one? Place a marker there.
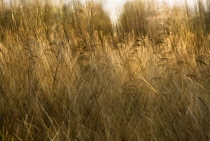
(66, 73)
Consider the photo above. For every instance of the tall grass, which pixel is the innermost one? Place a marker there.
(66, 73)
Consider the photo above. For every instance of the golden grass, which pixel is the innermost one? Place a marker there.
(67, 75)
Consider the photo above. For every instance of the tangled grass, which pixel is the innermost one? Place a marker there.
(65, 74)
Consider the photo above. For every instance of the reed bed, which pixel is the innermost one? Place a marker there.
(68, 73)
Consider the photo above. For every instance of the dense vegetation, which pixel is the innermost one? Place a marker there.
(68, 73)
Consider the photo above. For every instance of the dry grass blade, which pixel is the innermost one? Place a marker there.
(148, 84)
(197, 84)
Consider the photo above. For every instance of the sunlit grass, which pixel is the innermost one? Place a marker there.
(66, 73)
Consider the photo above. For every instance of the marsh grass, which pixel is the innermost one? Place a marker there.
(67, 74)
